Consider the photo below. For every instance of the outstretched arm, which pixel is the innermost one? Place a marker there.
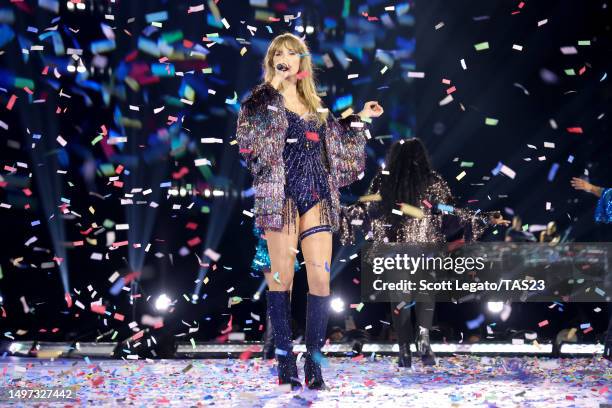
(352, 132)
(478, 220)
(580, 184)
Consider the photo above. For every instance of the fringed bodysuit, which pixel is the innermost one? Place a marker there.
(306, 169)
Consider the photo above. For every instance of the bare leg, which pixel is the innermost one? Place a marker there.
(279, 279)
(317, 250)
(281, 245)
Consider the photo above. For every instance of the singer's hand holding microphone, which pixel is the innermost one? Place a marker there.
(282, 71)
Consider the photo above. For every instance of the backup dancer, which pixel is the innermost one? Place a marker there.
(410, 179)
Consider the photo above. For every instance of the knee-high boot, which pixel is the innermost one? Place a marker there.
(317, 314)
(424, 317)
(279, 312)
(403, 328)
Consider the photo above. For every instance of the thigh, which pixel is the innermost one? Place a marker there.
(282, 249)
(317, 251)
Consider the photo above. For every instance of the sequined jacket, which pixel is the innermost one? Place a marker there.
(603, 211)
(433, 227)
(261, 128)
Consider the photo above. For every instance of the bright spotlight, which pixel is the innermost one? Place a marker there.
(162, 303)
(256, 296)
(495, 307)
(337, 305)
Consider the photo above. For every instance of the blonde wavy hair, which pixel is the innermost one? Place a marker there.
(306, 87)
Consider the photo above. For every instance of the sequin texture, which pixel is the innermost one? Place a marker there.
(306, 169)
(261, 134)
(366, 218)
(603, 210)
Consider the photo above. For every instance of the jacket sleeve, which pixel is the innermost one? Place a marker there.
(255, 123)
(603, 210)
(351, 131)
(476, 221)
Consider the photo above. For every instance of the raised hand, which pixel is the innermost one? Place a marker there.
(371, 109)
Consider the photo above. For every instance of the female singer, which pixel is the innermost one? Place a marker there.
(410, 179)
(299, 155)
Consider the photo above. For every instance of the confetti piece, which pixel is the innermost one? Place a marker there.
(202, 162)
(414, 74)
(577, 130)
(411, 211)
(312, 136)
(481, 46)
(195, 9)
(11, 102)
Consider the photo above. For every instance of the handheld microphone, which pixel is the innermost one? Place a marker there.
(282, 67)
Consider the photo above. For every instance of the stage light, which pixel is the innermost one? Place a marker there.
(337, 305)
(309, 29)
(182, 192)
(495, 307)
(256, 296)
(163, 302)
(299, 29)
(1, 299)
(206, 193)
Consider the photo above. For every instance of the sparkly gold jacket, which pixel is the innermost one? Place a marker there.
(369, 218)
(261, 128)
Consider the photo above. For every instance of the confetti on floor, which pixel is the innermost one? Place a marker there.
(458, 381)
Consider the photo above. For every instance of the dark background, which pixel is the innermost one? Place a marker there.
(156, 150)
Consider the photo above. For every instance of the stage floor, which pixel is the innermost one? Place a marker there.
(459, 381)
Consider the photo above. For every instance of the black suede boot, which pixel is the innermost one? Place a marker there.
(278, 310)
(403, 329)
(317, 314)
